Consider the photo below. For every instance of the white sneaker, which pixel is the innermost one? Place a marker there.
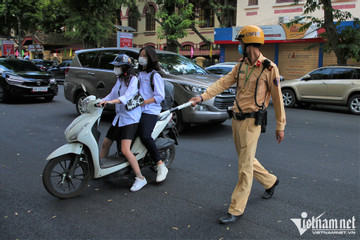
(138, 184)
(162, 171)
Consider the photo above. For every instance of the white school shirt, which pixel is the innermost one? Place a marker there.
(124, 94)
(147, 92)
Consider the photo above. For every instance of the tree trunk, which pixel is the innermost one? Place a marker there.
(171, 46)
(19, 35)
(207, 42)
(34, 44)
(331, 31)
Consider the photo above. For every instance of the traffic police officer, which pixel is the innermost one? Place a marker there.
(257, 78)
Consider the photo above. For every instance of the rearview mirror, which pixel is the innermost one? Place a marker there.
(306, 77)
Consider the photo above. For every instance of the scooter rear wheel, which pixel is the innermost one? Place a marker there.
(57, 181)
(168, 155)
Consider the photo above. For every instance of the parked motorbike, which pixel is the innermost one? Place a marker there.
(73, 165)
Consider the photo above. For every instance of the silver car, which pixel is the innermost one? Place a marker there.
(91, 67)
(334, 85)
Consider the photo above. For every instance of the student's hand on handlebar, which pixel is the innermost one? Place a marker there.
(103, 103)
(195, 101)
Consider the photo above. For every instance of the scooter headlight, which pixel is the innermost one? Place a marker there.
(86, 101)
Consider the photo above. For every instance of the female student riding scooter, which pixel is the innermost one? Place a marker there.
(125, 124)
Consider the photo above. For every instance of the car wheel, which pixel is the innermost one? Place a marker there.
(354, 104)
(79, 103)
(177, 118)
(289, 97)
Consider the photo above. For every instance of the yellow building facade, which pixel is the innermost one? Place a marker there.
(284, 45)
(295, 53)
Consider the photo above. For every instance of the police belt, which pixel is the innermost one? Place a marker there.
(242, 116)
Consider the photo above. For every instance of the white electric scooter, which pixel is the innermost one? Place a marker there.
(74, 164)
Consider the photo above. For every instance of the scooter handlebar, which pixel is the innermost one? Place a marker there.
(98, 104)
(184, 105)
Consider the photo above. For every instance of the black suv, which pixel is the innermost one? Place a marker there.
(21, 78)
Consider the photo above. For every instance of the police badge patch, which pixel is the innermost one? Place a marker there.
(276, 81)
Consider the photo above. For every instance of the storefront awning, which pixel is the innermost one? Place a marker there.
(277, 33)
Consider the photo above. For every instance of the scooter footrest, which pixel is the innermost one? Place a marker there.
(112, 161)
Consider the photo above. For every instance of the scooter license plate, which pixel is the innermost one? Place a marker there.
(39, 89)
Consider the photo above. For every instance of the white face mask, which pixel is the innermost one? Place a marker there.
(143, 61)
(118, 71)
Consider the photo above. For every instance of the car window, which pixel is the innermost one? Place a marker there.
(106, 57)
(213, 70)
(319, 74)
(343, 73)
(177, 64)
(358, 74)
(226, 70)
(19, 66)
(89, 59)
(134, 57)
(218, 70)
(63, 64)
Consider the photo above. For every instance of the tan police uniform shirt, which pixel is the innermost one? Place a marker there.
(269, 85)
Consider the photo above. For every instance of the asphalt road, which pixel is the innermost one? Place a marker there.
(317, 164)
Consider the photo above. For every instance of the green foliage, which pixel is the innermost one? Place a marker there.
(223, 11)
(344, 42)
(90, 20)
(175, 18)
(20, 14)
(350, 41)
(54, 15)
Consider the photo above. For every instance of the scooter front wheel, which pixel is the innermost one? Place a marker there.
(59, 182)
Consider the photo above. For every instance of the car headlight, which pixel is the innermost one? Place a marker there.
(52, 81)
(194, 89)
(14, 79)
(201, 107)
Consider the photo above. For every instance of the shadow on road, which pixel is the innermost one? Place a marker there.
(329, 108)
(206, 130)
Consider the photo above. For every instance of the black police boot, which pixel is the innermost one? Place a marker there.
(229, 218)
(270, 192)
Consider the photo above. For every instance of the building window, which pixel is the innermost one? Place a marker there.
(253, 2)
(150, 18)
(187, 47)
(132, 21)
(207, 16)
(205, 47)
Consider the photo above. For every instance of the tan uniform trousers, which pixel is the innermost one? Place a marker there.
(246, 135)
